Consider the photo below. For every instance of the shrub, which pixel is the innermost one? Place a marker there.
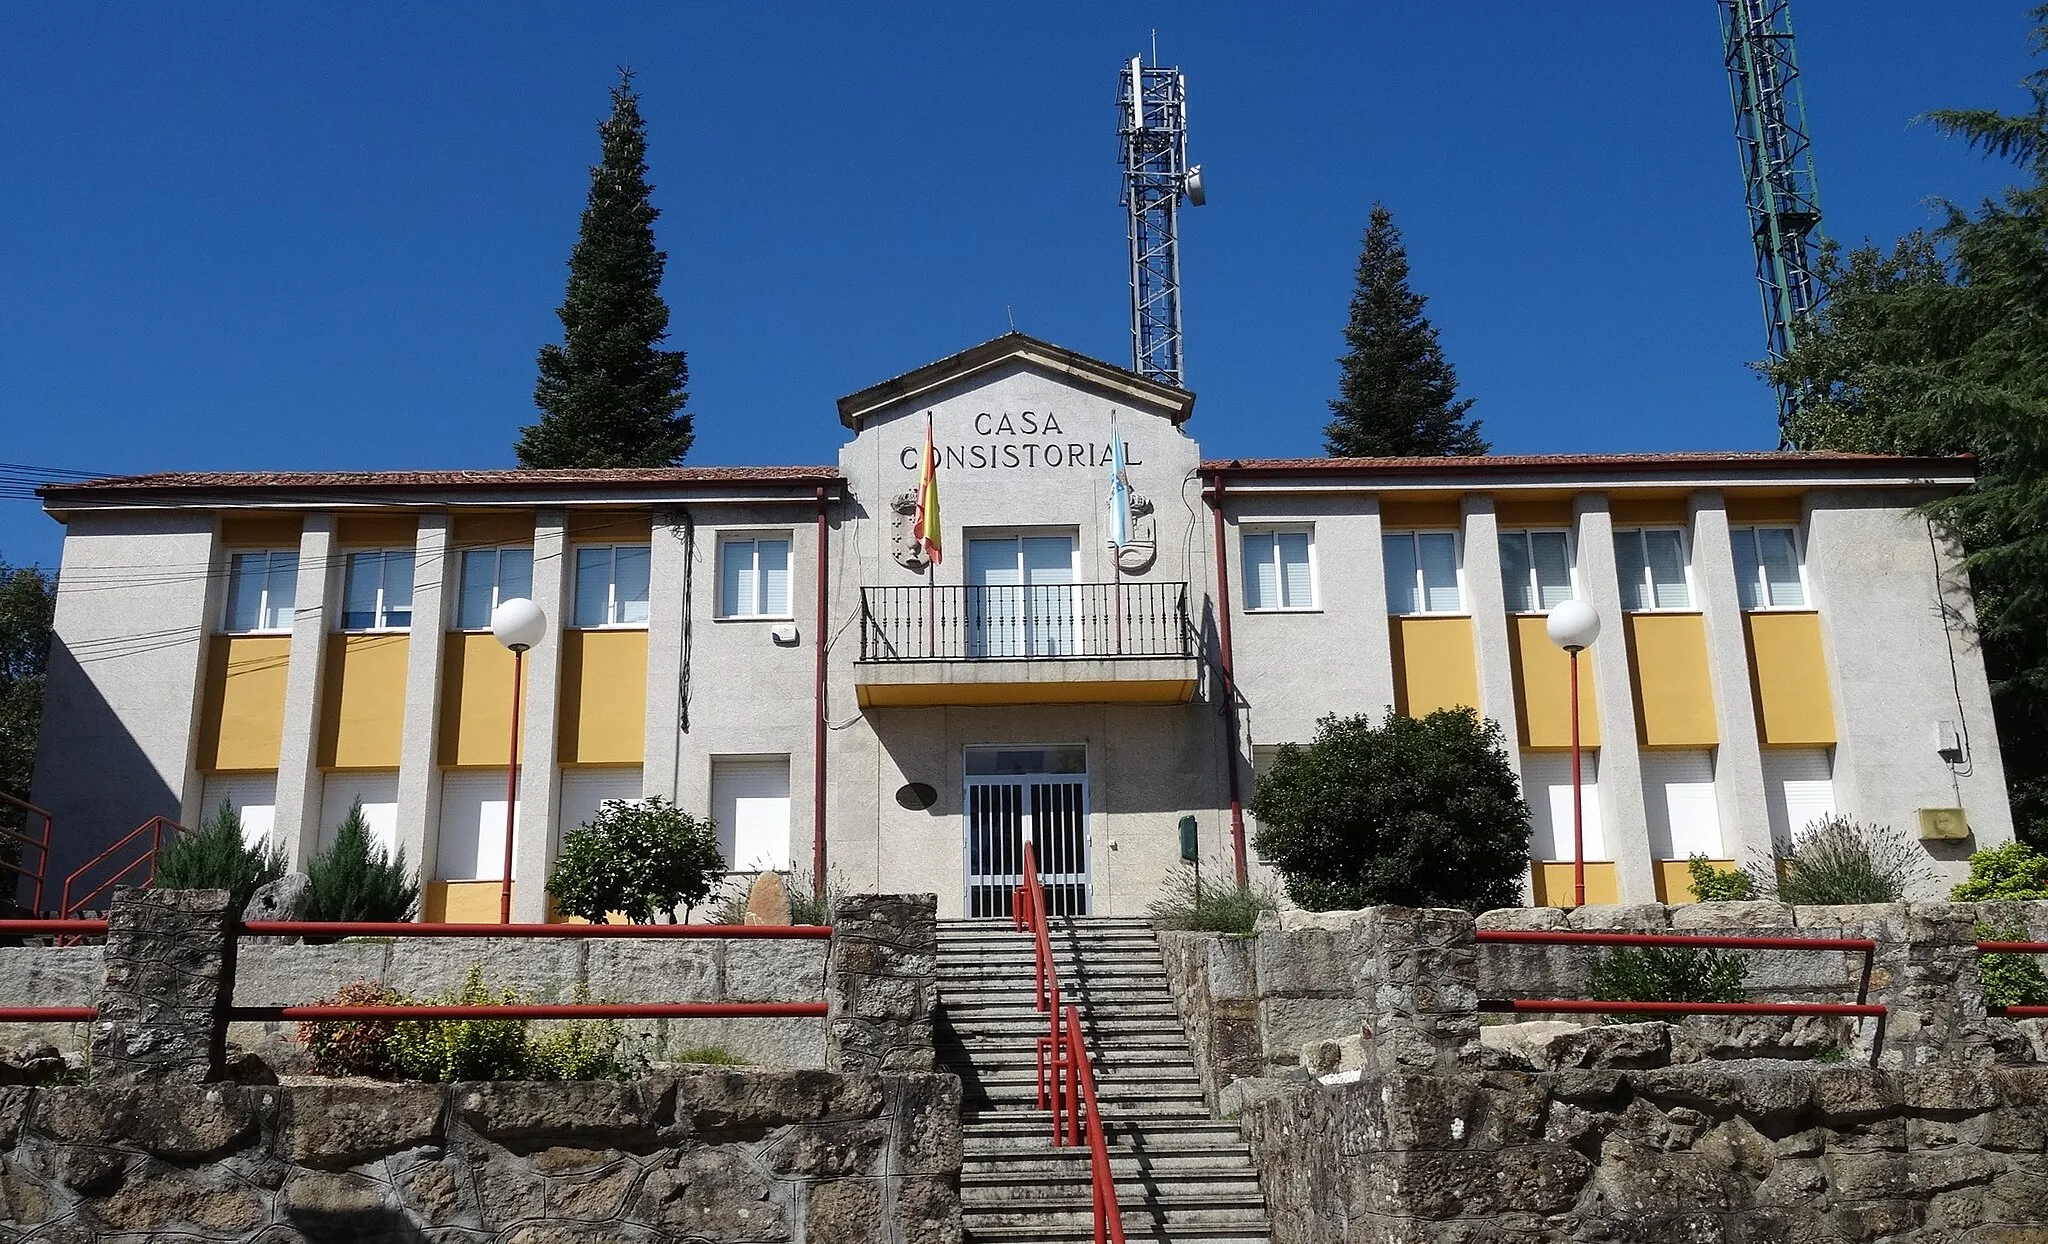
(711, 1056)
(353, 1047)
(2009, 979)
(2014, 872)
(1187, 901)
(805, 907)
(1838, 860)
(446, 1050)
(643, 859)
(353, 879)
(1719, 885)
(214, 857)
(1669, 974)
(1416, 812)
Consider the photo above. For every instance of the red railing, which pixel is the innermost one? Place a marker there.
(40, 845)
(1862, 1008)
(1066, 1074)
(538, 1010)
(2017, 1010)
(157, 828)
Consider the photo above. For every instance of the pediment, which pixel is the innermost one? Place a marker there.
(1007, 353)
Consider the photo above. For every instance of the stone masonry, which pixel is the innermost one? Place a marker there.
(169, 975)
(881, 982)
(701, 1156)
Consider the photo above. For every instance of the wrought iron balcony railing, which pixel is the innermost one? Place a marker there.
(1046, 621)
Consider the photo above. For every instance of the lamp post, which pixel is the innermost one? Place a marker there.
(518, 624)
(1573, 626)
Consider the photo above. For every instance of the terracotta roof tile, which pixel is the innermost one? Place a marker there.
(389, 480)
(1604, 462)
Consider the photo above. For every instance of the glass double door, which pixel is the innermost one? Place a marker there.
(1021, 596)
(1017, 795)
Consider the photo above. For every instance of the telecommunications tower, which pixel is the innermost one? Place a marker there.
(1157, 176)
(1777, 172)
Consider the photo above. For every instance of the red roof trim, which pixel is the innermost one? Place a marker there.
(243, 481)
(1760, 462)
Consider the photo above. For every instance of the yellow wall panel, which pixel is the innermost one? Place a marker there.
(474, 531)
(1649, 511)
(261, 531)
(1433, 665)
(1789, 673)
(1744, 507)
(1553, 883)
(476, 701)
(462, 902)
(1398, 514)
(1674, 694)
(241, 722)
(1674, 880)
(362, 717)
(611, 527)
(604, 697)
(1543, 687)
(390, 531)
(1538, 512)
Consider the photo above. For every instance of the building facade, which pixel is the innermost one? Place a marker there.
(1784, 636)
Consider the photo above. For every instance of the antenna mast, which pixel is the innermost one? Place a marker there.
(1152, 107)
(1777, 173)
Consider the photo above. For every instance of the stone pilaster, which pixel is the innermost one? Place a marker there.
(668, 607)
(1738, 760)
(540, 777)
(1489, 609)
(1418, 977)
(297, 827)
(881, 982)
(1624, 823)
(436, 576)
(169, 978)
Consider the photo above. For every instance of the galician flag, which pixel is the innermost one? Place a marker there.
(1119, 492)
(928, 498)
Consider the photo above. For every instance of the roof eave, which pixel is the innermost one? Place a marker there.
(856, 408)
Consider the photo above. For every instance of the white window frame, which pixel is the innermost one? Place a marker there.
(611, 605)
(1649, 585)
(227, 602)
(497, 552)
(1571, 566)
(378, 620)
(1269, 530)
(729, 538)
(1749, 530)
(1464, 609)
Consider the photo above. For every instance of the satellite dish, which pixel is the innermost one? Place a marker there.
(1197, 194)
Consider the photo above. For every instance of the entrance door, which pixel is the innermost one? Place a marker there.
(1020, 596)
(1027, 794)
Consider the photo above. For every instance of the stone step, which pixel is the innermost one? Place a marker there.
(1225, 1162)
(993, 1188)
(989, 1132)
(1022, 1057)
(1170, 1074)
(1046, 1211)
(1022, 1000)
(1189, 1233)
(974, 1028)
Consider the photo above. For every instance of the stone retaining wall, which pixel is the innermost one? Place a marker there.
(1745, 1151)
(805, 1157)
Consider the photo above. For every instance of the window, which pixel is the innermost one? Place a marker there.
(1768, 570)
(1799, 789)
(253, 796)
(1277, 570)
(611, 585)
(1021, 599)
(750, 803)
(586, 793)
(1547, 787)
(472, 844)
(261, 587)
(1422, 572)
(1535, 570)
(753, 578)
(1678, 797)
(1651, 564)
(378, 596)
(376, 791)
(490, 577)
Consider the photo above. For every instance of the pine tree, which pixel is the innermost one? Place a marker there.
(608, 395)
(1397, 397)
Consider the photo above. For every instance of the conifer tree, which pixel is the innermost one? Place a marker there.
(609, 395)
(1397, 397)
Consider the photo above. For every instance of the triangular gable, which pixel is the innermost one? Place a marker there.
(857, 409)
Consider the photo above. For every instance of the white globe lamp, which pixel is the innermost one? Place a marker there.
(518, 623)
(1573, 625)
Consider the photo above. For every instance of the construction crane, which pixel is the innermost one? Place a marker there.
(1777, 174)
(1153, 129)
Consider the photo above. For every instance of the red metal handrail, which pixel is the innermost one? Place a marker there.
(155, 827)
(2017, 1010)
(1028, 913)
(1109, 1215)
(407, 928)
(41, 845)
(1867, 947)
(539, 1010)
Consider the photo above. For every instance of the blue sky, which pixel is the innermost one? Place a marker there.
(263, 236)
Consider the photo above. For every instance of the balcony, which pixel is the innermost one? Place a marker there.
(1053, 643)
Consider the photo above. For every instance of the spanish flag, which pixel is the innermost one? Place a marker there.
(928, 498)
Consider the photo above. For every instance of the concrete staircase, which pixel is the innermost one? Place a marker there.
(1180, 1175)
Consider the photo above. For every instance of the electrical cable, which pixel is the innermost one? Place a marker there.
(1941, 609)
